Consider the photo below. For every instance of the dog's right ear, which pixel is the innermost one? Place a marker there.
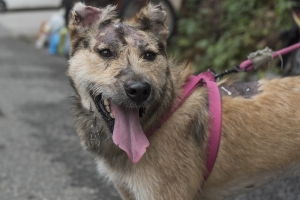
(152, 18)
(83, 18)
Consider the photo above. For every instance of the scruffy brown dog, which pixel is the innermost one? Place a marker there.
(124, 83)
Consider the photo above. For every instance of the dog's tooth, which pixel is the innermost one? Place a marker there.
(112, 115)
(107, 108)
(105, 102)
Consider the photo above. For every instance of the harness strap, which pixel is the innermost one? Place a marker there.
(215, 112)
(215, 125)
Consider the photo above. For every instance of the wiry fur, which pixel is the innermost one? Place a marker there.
(260, 132)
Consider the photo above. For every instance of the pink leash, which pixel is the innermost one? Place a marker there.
(215, 113)
(247, 65)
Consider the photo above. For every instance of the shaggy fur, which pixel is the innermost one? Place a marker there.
(260, 130)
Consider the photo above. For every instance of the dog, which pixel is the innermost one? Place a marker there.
(124, 83)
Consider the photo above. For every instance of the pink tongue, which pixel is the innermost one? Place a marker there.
(128, 133)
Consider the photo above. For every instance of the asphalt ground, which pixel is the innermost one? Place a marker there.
(40, 153)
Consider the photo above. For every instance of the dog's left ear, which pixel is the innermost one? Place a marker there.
(152, 18)
(84, 17)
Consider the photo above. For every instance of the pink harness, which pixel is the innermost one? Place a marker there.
(215, 121)
(215, 108)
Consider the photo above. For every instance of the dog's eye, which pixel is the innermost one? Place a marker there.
(149, 56)
(106, 53)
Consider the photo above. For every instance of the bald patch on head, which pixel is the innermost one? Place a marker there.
(115, 35)
(112, 33)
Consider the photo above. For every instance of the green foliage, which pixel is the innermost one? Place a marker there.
(219, 34)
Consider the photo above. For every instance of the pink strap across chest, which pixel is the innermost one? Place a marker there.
(215, 111)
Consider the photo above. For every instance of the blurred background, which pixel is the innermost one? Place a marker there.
(41, 157)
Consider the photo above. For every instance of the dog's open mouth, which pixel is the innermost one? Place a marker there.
(125, 125)
(104, 109)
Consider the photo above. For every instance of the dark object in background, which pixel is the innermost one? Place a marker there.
(97, 3)
(291, 61)
(68, 5)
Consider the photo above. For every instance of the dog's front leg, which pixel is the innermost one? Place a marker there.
(124, 192)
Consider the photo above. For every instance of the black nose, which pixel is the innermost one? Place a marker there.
(138, 91)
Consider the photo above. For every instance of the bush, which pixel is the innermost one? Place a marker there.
(219, 34)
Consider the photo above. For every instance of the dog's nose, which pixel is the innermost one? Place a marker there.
(138, 91)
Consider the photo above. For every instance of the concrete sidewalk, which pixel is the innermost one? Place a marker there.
(41, 156)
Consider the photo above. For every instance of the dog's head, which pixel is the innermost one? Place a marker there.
(120, 70)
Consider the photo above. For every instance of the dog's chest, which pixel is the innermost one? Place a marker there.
(138, 183)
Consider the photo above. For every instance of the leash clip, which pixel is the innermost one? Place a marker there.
(235, 69)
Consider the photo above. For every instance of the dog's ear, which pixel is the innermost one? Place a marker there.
(152, 18)
(84, 17)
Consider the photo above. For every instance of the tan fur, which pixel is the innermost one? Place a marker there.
(260, 135)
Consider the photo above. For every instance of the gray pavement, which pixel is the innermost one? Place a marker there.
(40, 154)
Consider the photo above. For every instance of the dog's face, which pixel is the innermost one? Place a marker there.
(119, 70)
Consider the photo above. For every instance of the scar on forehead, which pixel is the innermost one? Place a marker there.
(127, 35)
(112, 32)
